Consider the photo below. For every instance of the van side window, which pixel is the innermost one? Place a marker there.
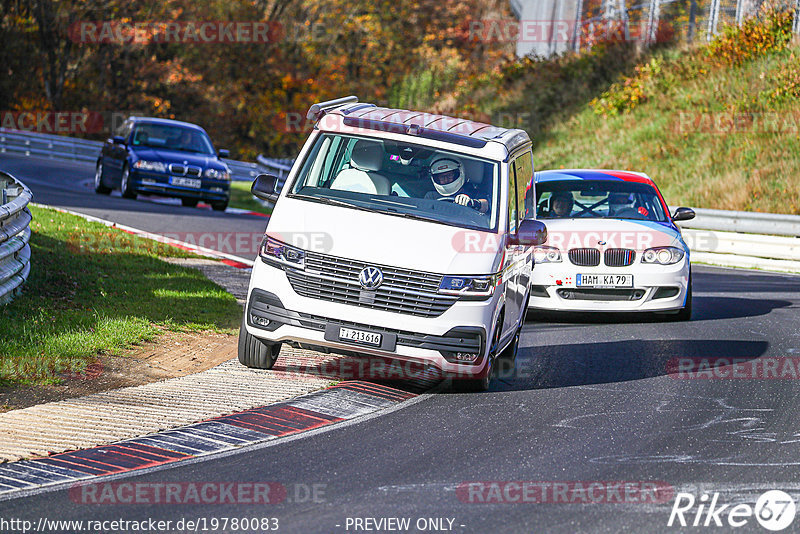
(512, 200)
(523, 166)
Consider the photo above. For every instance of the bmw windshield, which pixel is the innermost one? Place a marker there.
(609, 199)
(401, 179)
(171, 137)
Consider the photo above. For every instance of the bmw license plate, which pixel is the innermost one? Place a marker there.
(360, 336)
(604, 280)
(186, 182)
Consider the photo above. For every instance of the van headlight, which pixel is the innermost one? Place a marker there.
(546, 255)
(277, 253)
(216, 174)
(469, 286)
(663, 255)
(145, 165)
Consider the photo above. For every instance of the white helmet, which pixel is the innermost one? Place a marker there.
(447, 174)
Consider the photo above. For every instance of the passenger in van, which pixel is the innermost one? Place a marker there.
(449, 181)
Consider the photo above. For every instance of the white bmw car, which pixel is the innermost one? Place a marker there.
(612, 245)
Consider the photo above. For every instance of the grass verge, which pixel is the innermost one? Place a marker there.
(94, 289)
(242, 198)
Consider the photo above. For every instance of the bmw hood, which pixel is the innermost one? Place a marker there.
(204, 161)
(566, 234)
(382, 239)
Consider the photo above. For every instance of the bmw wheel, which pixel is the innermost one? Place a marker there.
(99, 186)
(125, 186)
(189, 202)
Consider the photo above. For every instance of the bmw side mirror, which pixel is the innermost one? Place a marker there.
(683, 214)
(118, 140)
(530, 233)
(264, 187)
(224, 153)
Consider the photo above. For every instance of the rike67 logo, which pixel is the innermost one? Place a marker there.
(774, 510)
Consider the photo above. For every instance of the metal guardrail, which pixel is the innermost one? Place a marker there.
(744, 239)
(15, 234)
(75, 149)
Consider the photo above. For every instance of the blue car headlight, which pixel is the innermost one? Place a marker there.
(663, 255)
(277, 253)
(145, 165)
(217, 174)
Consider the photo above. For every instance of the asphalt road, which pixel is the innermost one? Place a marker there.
(590, 401)
(70, 185)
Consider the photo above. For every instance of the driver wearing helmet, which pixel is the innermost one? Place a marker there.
(620, 204)
(449, 180)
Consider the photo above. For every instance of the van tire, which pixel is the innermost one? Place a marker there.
(477, 385)
(255, 353)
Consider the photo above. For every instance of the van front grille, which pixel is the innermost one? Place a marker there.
(402, 291)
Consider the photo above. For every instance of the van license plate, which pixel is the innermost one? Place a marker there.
(186, 182)
(360, 336)
(604, 280)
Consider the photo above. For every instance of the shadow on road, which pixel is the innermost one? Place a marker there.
(582, 364)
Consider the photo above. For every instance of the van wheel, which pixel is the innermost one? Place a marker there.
(476, 385)
(255, 353)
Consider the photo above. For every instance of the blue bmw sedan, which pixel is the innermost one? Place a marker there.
(165, 158)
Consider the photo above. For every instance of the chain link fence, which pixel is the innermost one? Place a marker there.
(653, 21)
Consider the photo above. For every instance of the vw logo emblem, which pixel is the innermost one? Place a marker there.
(370, 278)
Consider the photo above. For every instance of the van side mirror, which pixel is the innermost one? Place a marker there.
(224, 153)
(530, 233)
(683, 214)
(264, 187)
(118, 140)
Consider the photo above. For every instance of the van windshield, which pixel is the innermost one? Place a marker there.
(401, 179)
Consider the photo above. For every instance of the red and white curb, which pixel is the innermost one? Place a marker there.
(228, 259)
(339, 403)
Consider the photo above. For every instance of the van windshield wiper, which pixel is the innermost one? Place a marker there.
(330, 201)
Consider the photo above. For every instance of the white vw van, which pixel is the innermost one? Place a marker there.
(397, 234)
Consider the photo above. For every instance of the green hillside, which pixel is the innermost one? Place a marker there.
(717, 126)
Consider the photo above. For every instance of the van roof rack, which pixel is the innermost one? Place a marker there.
(427, 125)
(317, 110)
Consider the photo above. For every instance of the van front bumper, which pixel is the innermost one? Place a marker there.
(267, 318)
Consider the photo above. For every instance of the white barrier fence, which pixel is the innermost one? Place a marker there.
(744, 239)
(15, 234)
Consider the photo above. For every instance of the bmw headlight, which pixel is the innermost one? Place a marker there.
(217, 174)
(277, 253)
(469, 286)
(546, 255)
(145, 165)
(662, 255)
